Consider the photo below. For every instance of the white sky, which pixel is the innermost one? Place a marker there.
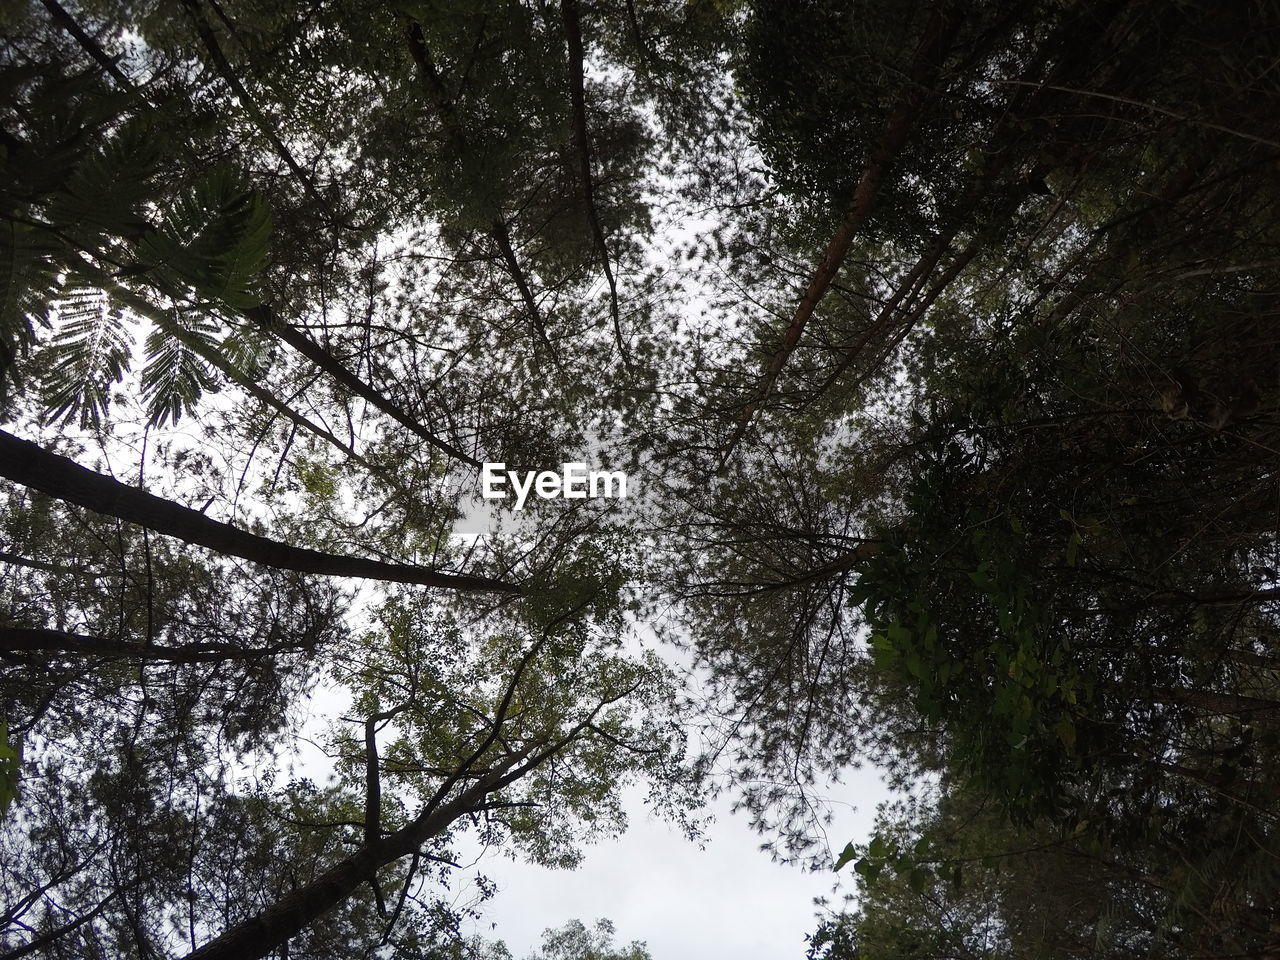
(727, 900)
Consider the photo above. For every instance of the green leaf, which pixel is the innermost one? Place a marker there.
(848, 853)
(90, 351)
(10, 768)
(215, 239)
(106, 192)
(28, 286)
(176, 375)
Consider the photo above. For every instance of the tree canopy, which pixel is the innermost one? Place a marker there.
(936, 340)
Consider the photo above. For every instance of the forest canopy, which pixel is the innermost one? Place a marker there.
(934, 340)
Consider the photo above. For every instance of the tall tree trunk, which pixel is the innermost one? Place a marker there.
(30, 465)
(926, 63)
(33, 640)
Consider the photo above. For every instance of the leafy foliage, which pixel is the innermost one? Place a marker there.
(944, 336)
(574, 941)
(10, 769)
(92, 251)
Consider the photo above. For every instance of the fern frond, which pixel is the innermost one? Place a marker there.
(106, 193)
(89, 352)
(176, 375)
(247, 351)
(28, 285)
(214, 239)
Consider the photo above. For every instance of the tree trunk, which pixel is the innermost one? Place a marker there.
(30, 465)
(293, 912)
(926, 62)
(33, 640)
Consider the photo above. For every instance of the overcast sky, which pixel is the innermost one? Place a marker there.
(727, 900)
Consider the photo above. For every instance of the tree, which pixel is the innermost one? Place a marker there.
(524, 737)
(119, 235)
(574, 941)
(957, 879)
(960, 391)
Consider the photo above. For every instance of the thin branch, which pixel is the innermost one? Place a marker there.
(265, 317)
(577, 95)
(1173, 114)
(88, 44)
(499, 232)
(33, 639)
(404, 895)
(225, 70)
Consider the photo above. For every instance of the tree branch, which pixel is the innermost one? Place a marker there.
(372, 779)
(88, 44)
(265, 317)
(499, 232)
(225, 70)
(26, 463)
(34, 639)
(577, 95)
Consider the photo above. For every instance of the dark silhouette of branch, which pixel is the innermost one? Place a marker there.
(33, 639)
(577, 96)
(502, 237)
(373, 780)
(88, 44)
(260, 120)
(54, 935)
(500, 232)
(264, 316)
(30, 465)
